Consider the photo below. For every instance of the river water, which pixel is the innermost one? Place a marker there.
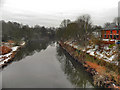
(44, 65)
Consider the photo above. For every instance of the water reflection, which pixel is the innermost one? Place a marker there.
(52, 67)
(74, 71)
(41, 70)
(30, 48)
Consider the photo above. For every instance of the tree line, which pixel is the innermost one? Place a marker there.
(18, 32)
(79, 30)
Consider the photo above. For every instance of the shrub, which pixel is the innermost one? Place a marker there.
(5, 50)
(111, 45)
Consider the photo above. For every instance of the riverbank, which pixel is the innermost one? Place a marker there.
(8, 52)
(103, 76)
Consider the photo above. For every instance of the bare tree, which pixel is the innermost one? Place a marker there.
(84, 22)
(64, 23)
(85, 26)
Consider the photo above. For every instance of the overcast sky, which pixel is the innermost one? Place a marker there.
(51, 12)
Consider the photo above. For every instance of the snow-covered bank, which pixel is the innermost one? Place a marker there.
(104, 74)
(105, 53)
(6, 57)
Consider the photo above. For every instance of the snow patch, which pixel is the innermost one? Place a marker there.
(15, 48)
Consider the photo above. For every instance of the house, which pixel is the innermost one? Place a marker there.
(111, 32)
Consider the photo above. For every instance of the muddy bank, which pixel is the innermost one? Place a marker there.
(100, 76)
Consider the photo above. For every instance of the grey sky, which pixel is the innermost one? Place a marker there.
(51, 12)
(119, 9)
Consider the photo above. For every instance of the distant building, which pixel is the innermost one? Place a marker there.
(97, 33)
(111, 32)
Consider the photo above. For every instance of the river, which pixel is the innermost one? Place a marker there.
(44, 65)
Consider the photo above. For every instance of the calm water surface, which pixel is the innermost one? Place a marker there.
(44, 65)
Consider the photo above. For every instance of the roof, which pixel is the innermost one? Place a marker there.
(111, 29)
(113, 26)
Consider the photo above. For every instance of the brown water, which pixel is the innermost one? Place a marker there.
(44, 65)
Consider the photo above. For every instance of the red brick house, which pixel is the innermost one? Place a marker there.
(111, 32)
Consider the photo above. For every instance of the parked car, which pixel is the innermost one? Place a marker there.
(118, 42)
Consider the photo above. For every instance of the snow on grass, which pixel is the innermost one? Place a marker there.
(100, 54)
(105, 39)
(115, 62)
(90, 50)
(23, 44)
(92, 53)
(90, 46)
(1, 59)
(70, 44)
(83, 50)
(75, 46)
(15, 48)
(96, 46)
(8, 55)
(112, 57)
(112, 40)
(6, 60)
(1, 62)
(106, 54)
(106, 48)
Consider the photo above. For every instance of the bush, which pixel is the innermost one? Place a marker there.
(5, 50)
(111, 45)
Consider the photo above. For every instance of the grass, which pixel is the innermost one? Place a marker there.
(111, 45)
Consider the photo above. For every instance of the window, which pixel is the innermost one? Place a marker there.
(117, 36)
(114, 36)
(105, 36)
(117, 31)
(111, 31)
(110, 36)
